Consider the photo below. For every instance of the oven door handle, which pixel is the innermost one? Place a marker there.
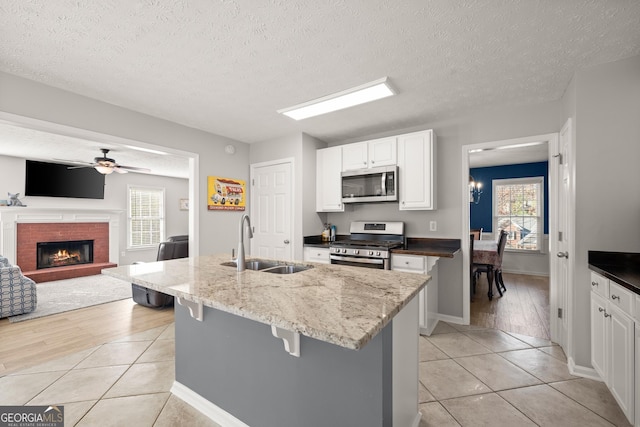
(357, 259)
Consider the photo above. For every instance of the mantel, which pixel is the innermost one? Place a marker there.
(10, 216)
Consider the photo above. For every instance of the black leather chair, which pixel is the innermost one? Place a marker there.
(174, 247)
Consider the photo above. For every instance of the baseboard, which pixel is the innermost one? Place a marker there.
(451, 319)
(416, 420)
(582, 371)
(207, 408)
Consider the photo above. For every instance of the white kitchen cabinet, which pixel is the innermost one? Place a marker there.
(613, 340)
(621, 366)
(313, 254)
(369, 154)
(598, 335)
(428, 297)
(328, 180)
(637, 388)
(416, 170)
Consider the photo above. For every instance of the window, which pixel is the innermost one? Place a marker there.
(146, 216)
(518, 209)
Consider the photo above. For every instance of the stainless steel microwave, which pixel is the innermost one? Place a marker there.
(370, 185)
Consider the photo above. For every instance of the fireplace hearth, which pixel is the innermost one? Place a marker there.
(61, 254)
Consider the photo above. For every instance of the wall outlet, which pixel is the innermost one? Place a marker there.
(433, 226)
(123, 253)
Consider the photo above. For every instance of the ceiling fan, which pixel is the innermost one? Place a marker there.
(106, 165)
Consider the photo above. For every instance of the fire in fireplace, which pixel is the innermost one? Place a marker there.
(59, 254)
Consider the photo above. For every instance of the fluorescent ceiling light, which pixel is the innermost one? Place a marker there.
(367, 92)
(146, 150)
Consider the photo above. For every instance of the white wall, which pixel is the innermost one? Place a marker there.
(217, 229)
(481, 125)
(605, 103)
(12, 178)
(301, 148)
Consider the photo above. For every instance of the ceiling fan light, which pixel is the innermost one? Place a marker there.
(104, 170)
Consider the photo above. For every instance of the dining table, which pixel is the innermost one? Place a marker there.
(485, 253)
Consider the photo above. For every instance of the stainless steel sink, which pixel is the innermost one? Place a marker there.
(287, 269)
(274, 267)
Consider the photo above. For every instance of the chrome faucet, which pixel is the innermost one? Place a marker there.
(240, 260)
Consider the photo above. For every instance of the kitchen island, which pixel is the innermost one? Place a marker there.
(331, 345)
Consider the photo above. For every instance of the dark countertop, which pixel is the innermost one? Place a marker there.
(446, 248)
(621, 267)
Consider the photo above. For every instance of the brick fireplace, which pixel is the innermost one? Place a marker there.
(29, 232)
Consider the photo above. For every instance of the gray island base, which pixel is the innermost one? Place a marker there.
(358, 331)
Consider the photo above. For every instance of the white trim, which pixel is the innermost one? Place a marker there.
(539, 180)
(551, 138)
(452, 319)
(527, 273)
(205, 407)
(163, 215)
(582, 371)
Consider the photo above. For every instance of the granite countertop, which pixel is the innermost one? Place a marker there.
(341, 305)
(621, 267)
(446, 248)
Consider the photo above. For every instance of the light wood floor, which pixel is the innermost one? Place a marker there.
(35, 341)
(524, 308)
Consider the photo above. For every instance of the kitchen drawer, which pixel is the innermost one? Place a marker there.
(599, 285)
(409, 263)
(622, 298)
(312, 254)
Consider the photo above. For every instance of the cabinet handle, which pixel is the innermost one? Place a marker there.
(614, 297)
(594, 283)
(600, 309)
(364, 163)
(373, 161)
(606, 314)
(406, 262)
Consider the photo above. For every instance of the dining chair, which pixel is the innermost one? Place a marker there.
(477, 233)
(502, 243)
(496, 268)
(472, 266)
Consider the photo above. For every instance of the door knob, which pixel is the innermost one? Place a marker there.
(563, 254)
(286, 242)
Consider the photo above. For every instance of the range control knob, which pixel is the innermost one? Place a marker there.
(356, 251)
(378, 253)
(370, 253)
(344, 251)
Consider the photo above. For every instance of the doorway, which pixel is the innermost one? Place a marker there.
(552, 141)
(271, 209)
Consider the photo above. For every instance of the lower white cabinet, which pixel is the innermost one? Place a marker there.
(598, 335)
(428, 297)
(637, 365)
(313, 254)
(613, 342)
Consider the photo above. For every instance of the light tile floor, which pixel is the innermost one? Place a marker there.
(471, 376)
(468, 377)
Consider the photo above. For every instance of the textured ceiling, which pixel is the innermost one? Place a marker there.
(226, 66)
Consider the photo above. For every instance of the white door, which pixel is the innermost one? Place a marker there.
(271, 218)
(563, 162)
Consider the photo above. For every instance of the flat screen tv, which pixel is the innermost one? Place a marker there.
(56, 180)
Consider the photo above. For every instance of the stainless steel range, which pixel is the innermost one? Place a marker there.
(369, 244)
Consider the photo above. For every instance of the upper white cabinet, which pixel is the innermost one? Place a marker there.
(328, 180)
(369, 154)
(416, 170)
